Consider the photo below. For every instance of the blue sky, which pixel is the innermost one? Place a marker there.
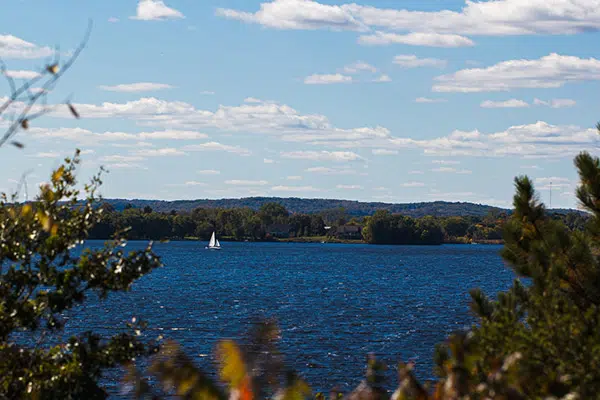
(374, 100)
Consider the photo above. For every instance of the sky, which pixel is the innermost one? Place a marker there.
(372, 100)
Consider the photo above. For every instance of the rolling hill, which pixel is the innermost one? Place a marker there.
(311, 206)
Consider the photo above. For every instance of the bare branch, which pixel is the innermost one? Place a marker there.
(54, 71)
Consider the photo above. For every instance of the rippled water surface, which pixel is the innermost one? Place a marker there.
(334, 303)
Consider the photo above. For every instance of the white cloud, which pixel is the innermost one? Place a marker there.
(294, 189)
(14, 47)
(412, 61)
(330, 171)
(188, 183)
(384, 152)
(380, 188)
(383, 78)
(132, 145)
(494, 17)
(446, 162)
(215, 146)
(47, 154)
(207, 92)
(90, 138)
(349, 187)
(348, 74)
(242, 182)
(136, 87)
(452, 170)
(551, 71)
(359, 66)
(121, 158)
(208, 172)
(167, 151)
(252, 100)
(552, 179)
(284, 122)
(413, 184)
(552, 182)
(294, 178)
(297, 14)
(327, 79)
(22, 74)
(416, 39)
(555, 103)
(113, 20)
(322, 155)
(536, 167)
(261, 118)
(530, 141)
(124, 165)
(428, 100)
(268, 161)
(172, 135)
(154, 10)
(415, 172)
(512, 103)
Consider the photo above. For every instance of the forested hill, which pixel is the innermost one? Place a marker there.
(311, 206)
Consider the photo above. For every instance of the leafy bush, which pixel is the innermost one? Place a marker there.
(42, 275)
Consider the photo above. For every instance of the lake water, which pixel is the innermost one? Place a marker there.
(334, 303)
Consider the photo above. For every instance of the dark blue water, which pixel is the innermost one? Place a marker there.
(334, 303)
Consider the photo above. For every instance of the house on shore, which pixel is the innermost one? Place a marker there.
(349, 232)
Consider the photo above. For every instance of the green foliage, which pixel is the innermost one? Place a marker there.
(246, 224)
(548, 329)
(236, 223)
(386, 228)
(42, 275)
(271, 213)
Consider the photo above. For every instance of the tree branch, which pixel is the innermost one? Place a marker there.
(55, 72)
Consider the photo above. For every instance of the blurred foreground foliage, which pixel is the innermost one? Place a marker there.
(43, 274)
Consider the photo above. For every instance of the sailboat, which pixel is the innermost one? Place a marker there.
(214, 243)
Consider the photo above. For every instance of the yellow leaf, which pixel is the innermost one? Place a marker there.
(58, 174)
(44, 220)
(299, 390)
(54, 229)
(233, 369)
(186, 384)
(26, 210)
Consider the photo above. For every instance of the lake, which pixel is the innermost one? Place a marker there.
(334, 303)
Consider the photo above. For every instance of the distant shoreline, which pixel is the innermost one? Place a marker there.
(326, 240)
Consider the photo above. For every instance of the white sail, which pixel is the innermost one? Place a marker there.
(214, 243)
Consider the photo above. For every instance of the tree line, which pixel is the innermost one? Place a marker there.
(238, 224)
